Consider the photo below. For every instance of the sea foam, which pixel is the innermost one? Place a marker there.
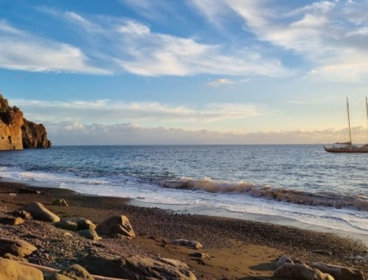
(327, 199)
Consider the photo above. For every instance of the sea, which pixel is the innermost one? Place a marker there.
(295, 185)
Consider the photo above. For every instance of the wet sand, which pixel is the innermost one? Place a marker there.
(237, 249)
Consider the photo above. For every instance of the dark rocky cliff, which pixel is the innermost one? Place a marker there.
(16, 132)
(34, 135)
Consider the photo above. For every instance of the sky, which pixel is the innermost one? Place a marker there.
(187, 72)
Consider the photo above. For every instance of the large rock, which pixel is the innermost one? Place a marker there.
(40, 212)
(34, 135)
(116, 226)
(16, 132)
(11, 121)
(137, 267)
(12, 270)
(16, 247)
(339, 272)
(300, 272)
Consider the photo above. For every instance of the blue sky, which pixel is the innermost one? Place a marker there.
(191, 71)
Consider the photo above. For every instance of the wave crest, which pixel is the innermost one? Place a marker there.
(273, 193)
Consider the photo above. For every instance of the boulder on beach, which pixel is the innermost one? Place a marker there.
(85, 224)
(283, 260)
(116, 226)
(300, 272)
(187, 243)
(60, 202)
(73, 272)
(90, 234)
(12, 270)
(16, 247)
(137, 267)
(66, 224)
(40, 212)
(339, 272)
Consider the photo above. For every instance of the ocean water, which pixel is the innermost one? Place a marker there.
(296, 185)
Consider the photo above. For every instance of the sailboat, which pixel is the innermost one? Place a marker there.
(348, 147)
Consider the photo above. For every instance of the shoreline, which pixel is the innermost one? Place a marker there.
(221, 213)
(241, 248)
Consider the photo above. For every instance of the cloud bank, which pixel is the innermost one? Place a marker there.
(106, 111)
(74, 133)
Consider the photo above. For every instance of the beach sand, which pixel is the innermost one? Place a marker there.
(237, 249)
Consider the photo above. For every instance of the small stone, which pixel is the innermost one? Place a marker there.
(199, 255)
(322, 252)
(188, 243)
(60, 202)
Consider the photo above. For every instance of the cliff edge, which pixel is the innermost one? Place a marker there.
(16, 132)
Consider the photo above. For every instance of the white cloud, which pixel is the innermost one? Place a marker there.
(20, 50)
(135, 48)
(330, 35)
(132, 27)
(106, 111)
(220, 82)
(214, 10)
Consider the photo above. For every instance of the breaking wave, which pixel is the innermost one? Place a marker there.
(327, 199)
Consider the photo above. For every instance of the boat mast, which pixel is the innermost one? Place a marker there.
(366, 109)
(347, 108)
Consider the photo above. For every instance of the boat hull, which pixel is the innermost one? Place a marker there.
(356, 150)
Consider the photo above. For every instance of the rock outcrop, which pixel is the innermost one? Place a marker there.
(339, 272)
(137, 267)
(300, 272)
(34, 135)
(16, 132)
